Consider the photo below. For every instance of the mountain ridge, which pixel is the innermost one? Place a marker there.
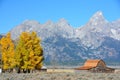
(64, 44)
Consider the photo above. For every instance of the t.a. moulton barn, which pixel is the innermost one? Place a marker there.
(95, 66)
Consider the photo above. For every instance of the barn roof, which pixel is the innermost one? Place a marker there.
(90, 64)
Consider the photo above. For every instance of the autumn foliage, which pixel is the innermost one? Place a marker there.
(7, 50)
(27, 54)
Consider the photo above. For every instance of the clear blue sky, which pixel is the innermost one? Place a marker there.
(76, 12)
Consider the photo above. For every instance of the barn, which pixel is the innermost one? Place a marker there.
(95, 66)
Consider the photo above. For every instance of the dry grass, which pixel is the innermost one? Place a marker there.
(61, 70)
(61, 76)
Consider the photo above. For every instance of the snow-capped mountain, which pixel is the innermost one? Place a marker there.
(62, 43)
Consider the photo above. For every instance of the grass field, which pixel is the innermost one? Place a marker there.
(66, 75)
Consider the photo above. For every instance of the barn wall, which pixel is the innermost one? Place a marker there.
(101, 64)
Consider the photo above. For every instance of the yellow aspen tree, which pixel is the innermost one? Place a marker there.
(7, 51)
(36, 60)
(0, 57)
(29, 53)
(21, 51)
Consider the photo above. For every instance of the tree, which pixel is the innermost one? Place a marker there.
(29, 53)
(7, 52)
(0, 57)
(36, 52)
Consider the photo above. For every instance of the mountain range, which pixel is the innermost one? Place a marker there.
(64, 44)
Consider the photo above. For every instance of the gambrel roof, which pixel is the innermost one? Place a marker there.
(91, 64)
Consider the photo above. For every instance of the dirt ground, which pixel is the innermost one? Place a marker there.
(60, 76)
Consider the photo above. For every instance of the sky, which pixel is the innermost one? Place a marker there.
(76, 12)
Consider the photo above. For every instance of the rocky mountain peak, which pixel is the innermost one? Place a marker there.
(63, 22)
(30, 22)
(98, 15)
(97, 18)
(49, 22)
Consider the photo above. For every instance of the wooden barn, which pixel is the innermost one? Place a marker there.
(95, 66)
